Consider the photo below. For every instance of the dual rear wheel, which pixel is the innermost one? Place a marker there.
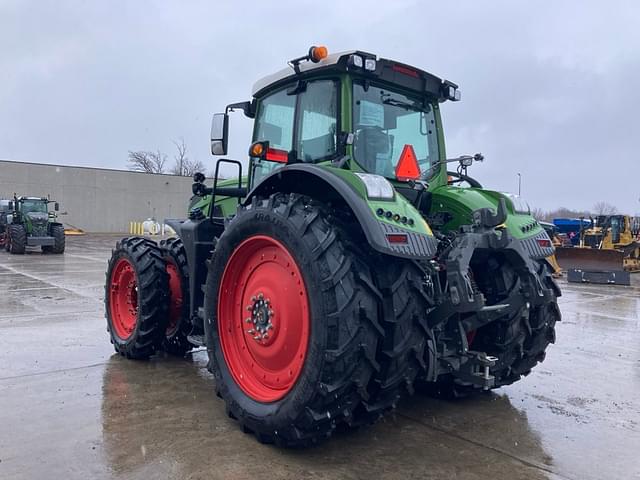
(146, 298)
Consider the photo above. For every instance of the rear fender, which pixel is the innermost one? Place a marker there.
(340, 189)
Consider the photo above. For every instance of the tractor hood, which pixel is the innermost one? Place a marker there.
(455, 206)
(38, 217)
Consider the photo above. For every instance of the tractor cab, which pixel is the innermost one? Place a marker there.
(350, 110)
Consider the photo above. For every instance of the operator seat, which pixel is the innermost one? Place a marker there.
(370, 144)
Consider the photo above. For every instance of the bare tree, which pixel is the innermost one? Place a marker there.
(148, 162)
(539, 214)
(604, 208)
(182, 164)
(180, 158)
(192, 166)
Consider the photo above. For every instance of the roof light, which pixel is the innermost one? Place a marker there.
(356, 61)
(318, 53)
(377, 186)
(370, 64)
(407, 167)
(450, 91)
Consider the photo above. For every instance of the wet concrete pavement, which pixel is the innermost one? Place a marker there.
(70, 408)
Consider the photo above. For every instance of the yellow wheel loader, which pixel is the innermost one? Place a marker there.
(609, 250)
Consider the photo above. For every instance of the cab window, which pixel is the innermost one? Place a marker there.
(275, 120)
(274, 124)
(317, 119)
(304, 123)
(385, 121)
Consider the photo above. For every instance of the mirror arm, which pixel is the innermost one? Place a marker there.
(248, 108)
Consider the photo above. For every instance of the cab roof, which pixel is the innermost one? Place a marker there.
(385, 71)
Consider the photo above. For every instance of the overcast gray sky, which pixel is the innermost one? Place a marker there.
(550, 89)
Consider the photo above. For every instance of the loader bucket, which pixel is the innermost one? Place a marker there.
(590, 259)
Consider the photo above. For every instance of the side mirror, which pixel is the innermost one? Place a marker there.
(219, 133)
(11, 206)
(56, 206)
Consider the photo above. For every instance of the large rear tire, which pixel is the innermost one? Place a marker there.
(136, 298)
(17, 239)
(283, 268)
(179, 325)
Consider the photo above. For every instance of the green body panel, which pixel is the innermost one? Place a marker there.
(439, 178)
(461, 202)
(227, 204)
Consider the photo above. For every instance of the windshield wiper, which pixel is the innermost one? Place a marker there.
(399, 103)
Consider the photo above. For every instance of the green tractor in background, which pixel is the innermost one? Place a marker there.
(348, 266)
(27, 222)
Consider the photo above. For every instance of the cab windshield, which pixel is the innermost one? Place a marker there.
(34, 206)
(385, 122)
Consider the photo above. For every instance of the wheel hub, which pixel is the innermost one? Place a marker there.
(123, 299)
(261, 319)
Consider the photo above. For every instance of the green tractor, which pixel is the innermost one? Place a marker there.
(27, 222)
(349, 265)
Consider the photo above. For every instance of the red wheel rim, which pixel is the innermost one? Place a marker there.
(263, 318)
(123, 299)
(175, 296)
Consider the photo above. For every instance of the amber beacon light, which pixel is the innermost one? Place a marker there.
(318, 53)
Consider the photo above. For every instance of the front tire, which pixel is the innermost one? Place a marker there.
(519, 340)
(57, 232)
(313, 368)
(17, 239)
(136, 298)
